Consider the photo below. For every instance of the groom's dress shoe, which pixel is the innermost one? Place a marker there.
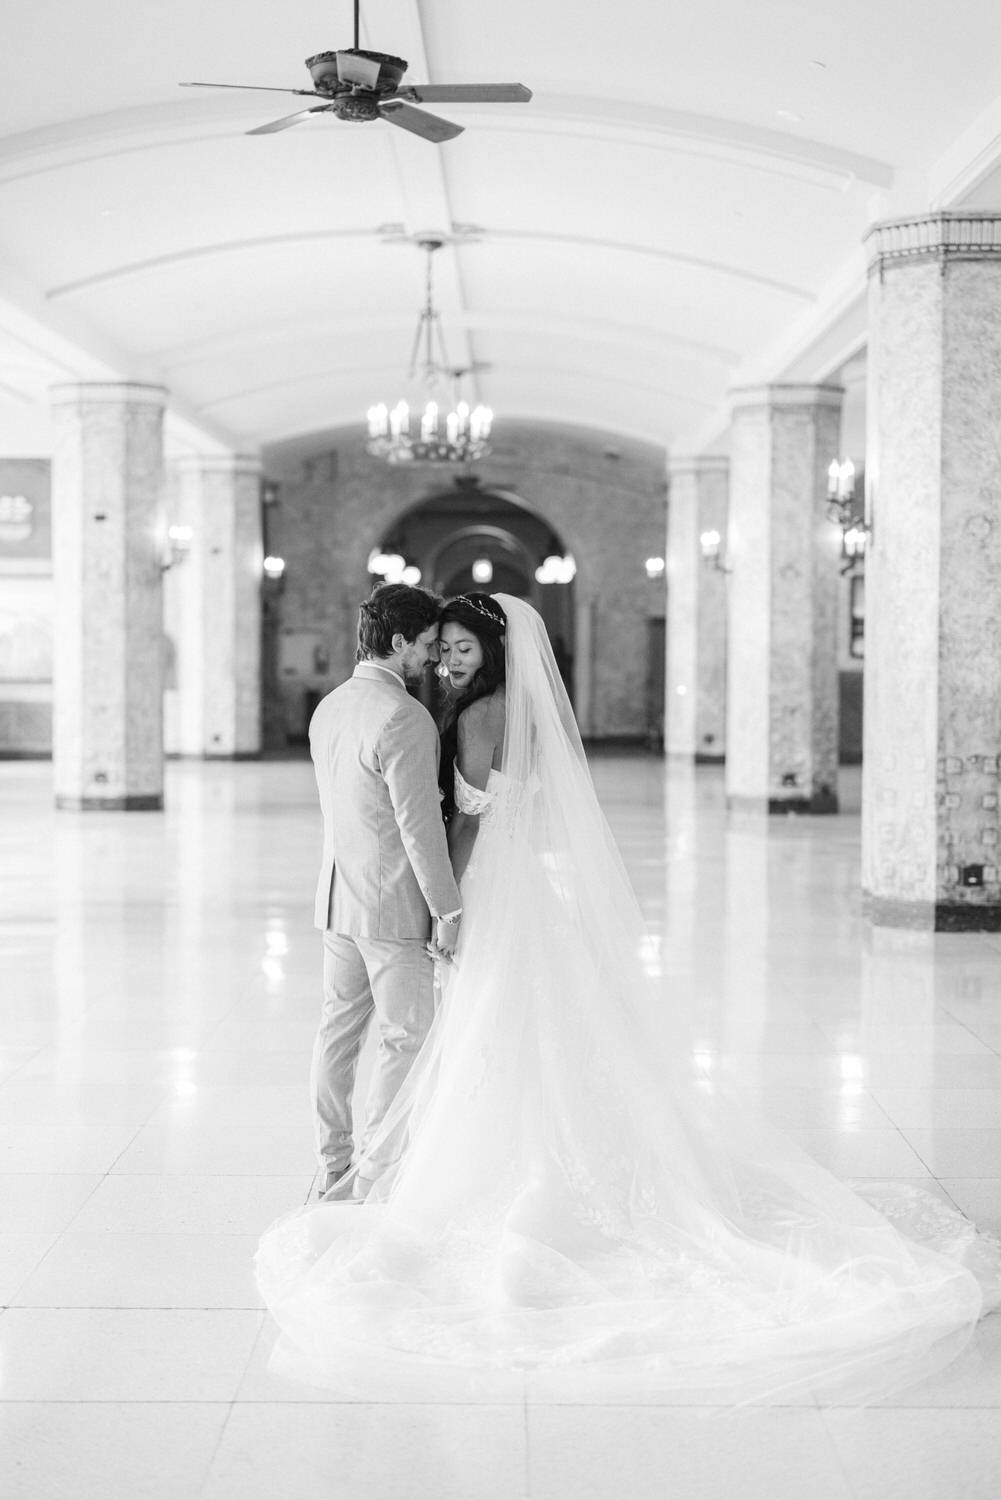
(330, 1179)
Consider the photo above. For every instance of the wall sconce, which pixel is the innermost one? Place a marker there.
(711, 542)
(556, 570)
(179, 539)
(483, 570)
(841, 511)
(274, 569)
(654, 567)
(853, 542)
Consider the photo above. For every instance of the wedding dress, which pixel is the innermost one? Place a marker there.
(563, 1197)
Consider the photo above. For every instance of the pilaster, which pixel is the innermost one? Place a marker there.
(782, 683)
(107, 552)
(696, 610)
(931, 787)
(214, 609)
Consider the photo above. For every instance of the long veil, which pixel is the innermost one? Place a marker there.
(553, 1191)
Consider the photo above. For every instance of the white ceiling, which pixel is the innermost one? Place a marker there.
(678, 209)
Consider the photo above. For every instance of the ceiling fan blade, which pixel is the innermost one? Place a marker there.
(464, 93)
(260, 88)
(363, 71)
(419, 122)
(287, 121)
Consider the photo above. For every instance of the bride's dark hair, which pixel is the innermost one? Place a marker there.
(483, 617)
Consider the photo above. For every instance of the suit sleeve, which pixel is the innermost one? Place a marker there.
(408, 755)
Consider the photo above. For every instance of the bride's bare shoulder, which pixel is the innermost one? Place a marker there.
(484, 719)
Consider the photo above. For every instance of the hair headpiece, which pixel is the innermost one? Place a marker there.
(498, 619)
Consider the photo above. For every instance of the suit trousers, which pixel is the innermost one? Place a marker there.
(392, 980)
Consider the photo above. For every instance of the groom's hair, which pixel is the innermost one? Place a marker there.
(394, 609)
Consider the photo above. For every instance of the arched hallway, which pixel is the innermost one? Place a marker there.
(160, 987)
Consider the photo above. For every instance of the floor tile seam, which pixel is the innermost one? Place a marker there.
(898, 1130)
(868, 1094)
(209, 1464)
(103, 1177)
(352, 1402)
(162, 1234)
(954, 1406)
(12, 1301)
(958, 1021)
(635, 1403)
(259, 1339)
(10, 1077)
(835, 1451)
(6, 1401)
(135, 1307)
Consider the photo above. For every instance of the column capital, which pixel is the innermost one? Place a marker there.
(948, 235)
(777, 396)
(108, 393)
(697, 465)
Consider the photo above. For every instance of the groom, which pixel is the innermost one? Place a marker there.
(385, 877)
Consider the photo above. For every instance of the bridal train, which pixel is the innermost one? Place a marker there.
(562, 1197)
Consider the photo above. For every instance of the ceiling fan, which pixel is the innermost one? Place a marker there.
(360, 85)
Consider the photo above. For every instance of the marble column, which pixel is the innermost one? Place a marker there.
(932, 732)
(213, 609)
(106, 562)
(695, 714)
(782, 678)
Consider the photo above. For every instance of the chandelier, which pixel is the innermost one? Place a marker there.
(446, 431)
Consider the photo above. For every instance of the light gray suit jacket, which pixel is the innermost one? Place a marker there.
(385, 869)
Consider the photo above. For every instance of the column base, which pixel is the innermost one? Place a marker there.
(149, 802)
(820, 803)
(931, 916)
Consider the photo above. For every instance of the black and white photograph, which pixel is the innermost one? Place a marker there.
(500, 751)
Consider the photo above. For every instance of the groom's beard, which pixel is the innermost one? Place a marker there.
(414, 676)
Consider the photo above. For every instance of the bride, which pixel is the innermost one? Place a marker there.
(563, 1197)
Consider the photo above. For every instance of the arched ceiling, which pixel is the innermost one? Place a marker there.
(679, 208)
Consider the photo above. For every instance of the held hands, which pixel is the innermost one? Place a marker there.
(446, 935)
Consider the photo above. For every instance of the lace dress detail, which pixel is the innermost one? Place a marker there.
(469, 799)
(500, 807)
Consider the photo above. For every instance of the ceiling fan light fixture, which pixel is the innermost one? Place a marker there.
(354, 67)
(357, 84)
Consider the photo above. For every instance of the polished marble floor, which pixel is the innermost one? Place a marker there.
(158, 988)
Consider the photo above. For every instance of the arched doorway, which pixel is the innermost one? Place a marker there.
(464, 538)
